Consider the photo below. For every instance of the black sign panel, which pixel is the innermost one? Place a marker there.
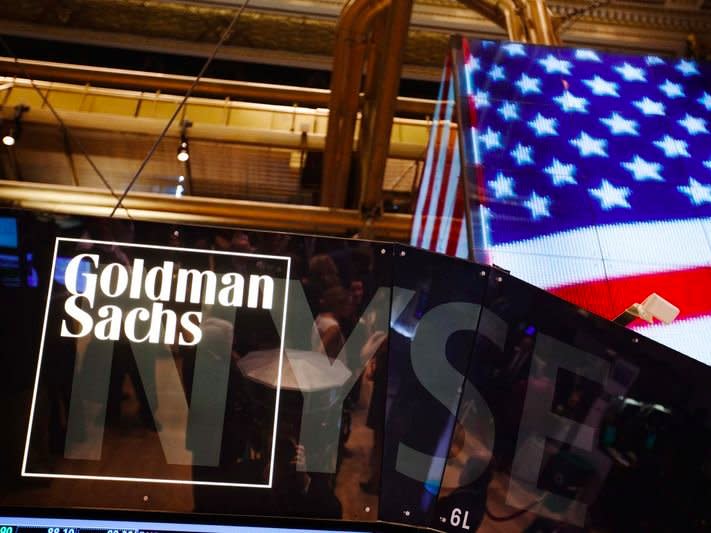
(117, 310)
(594, 427)
(189, 369)
(180, 369)
(437, 302)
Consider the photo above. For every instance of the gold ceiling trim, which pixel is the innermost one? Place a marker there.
(199, 210)
(214, 120)
(210, 87)
(302, 32)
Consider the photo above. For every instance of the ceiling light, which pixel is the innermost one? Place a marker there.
(183, 152)
(10, 138)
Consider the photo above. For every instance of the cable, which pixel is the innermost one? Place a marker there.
(162, 135)
(412, 164)
(572, 17)
(65, 129)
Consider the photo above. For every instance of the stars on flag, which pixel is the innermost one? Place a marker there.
(481, 99)
(630, 72)
(705, 100)
(561, 173)
(649, 107)
(546, 120)
(590, 146)
(671, 89)
(643, 170)
(503, 186)
(509, 111)
(654, 60)
(610, 196)
(491, 139)
(697, 192)
(528, 85)
(522, 154)
(473, 64)
(619, 125)
(543, 126)
(571, 103)
(693, 125)
(601, 87)
(553, 65)
(587, 55)
(497, 73)
(514, 49)
(687, 67)
(539, 206)
(672, 148)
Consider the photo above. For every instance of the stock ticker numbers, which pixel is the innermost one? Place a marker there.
(41, 529)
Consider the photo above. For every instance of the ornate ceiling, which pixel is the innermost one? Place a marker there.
(294, 33)
(301, 32)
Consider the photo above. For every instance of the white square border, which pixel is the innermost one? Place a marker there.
(25, 473)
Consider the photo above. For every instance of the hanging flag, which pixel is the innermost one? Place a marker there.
(439, 223)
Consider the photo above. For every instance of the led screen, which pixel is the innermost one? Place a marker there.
(588, 174)
(8, 232)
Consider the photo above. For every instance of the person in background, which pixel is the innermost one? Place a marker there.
(327, 334)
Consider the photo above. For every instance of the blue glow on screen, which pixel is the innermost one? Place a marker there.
(9, 270)
(8, 232)
(136, 527)
(595, 177)
(60, 268)
(32, 277)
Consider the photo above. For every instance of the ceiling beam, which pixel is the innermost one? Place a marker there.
(198, 210)
(379, 110)
(150, 81)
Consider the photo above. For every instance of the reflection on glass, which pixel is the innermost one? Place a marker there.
(414, 388)
(169, 366)
(568, 422)
(435, 310)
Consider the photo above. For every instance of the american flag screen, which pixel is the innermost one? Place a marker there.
(587, 174)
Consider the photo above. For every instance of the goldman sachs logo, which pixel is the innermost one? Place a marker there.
(101, 293)
(109, 299)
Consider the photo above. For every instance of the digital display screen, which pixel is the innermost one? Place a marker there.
(588, 175)
(10, 270)
(8, 232)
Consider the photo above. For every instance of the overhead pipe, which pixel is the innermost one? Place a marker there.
(352, 31)
(167, 83)
(546, 32)
(198, 210)
(377, 119)
(201, 132)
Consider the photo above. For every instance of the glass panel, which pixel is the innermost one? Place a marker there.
(172, 379)
(436, 305)
(568, 421)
